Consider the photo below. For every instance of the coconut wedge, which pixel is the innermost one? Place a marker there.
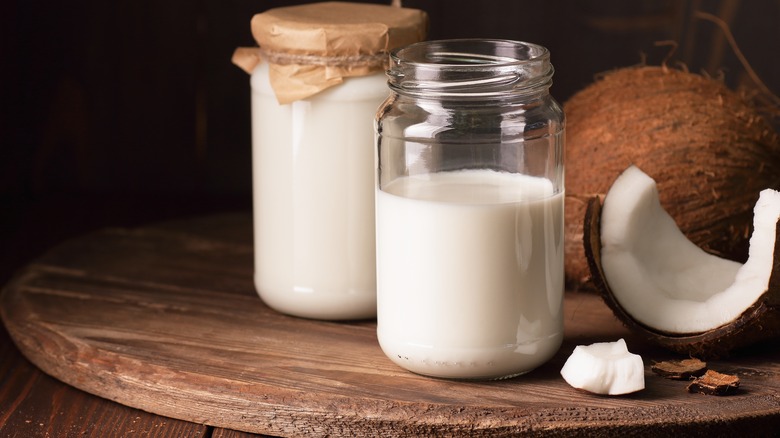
(670, 291)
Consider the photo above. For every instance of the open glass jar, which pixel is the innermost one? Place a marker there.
(470, 188)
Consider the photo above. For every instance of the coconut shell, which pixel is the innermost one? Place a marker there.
(760, 322)
(709, 151)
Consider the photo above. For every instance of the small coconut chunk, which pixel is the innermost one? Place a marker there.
(661, 278)
(605, 368)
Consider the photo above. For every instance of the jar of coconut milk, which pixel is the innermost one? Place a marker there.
(469, 210)
(317, 80)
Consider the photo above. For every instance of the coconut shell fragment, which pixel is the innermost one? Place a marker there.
(715, 383)
(709, 149)
(680, 369)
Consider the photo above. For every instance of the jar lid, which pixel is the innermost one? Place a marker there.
(314, 46)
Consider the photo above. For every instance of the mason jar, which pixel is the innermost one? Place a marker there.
(317, 79)
(469, 209)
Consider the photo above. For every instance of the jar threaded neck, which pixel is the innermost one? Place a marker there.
(470, 68)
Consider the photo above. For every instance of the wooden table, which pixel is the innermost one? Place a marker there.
(34, 404)
(164, 318)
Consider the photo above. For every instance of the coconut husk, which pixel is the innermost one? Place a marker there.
(709, 150)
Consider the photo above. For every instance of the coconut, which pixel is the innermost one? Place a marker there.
(605, 368)
(710, 151)
(672, 292)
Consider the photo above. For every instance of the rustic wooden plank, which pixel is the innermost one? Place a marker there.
(155, 257)
(165, 318)
(33, 404)
(227, 433)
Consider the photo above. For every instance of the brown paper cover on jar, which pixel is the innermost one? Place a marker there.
(315, 46)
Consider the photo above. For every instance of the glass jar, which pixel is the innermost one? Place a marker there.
(469, 210)
(316, 83)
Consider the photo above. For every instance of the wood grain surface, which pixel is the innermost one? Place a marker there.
(33, 404)
(164, 318)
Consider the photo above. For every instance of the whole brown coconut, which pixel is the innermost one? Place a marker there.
(710, 152)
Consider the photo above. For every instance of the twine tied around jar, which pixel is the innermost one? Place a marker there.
(362, 60)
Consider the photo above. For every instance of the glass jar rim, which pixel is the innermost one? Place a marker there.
(470, 68)
(540, 53)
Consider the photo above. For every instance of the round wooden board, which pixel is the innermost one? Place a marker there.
(165, 318)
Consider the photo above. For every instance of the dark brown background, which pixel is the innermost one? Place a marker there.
(124, 112)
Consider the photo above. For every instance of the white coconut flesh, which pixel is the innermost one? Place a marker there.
(604, 368)
(661, 278)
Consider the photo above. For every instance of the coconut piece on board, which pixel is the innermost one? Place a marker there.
(680, 369)
(714, 383)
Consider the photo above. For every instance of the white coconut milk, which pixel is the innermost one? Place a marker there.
(470, 273)
(313, 196)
